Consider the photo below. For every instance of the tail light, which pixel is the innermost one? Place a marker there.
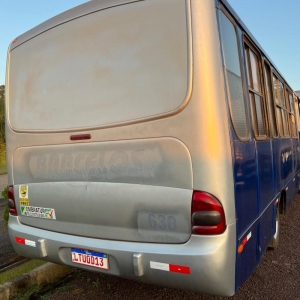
(11, 201)
(208, 217)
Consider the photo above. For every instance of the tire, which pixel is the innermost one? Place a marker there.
(275, 239)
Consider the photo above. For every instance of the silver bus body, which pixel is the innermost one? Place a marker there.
(116, 114)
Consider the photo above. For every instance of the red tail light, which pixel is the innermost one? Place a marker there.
(11, 201)
(208, 217)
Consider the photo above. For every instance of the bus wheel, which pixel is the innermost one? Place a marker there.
(275, 239)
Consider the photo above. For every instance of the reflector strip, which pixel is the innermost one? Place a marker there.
(180, 269)
(276, 201)
(20, 240)
(244, 242)
(25, 242)
(246, 239)
(170, 267)
(30, 243)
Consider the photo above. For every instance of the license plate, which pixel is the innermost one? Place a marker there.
(89, 258)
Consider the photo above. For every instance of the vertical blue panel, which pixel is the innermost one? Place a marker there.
(284, 158)
(267, 227)
(265, 174)
(245, 184)
(248, 259)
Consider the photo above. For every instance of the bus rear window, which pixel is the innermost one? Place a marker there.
(113, 66)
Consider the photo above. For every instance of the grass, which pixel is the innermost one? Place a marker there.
(28, 293)
(20, 270)
(3, 168)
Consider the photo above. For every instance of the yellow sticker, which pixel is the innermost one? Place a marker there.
(23, 195)
(24, 202)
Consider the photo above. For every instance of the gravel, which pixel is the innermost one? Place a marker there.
(276, 277)
(7, 253)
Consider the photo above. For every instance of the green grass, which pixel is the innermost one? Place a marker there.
(28, 293)
(20, 270)
(3, 168)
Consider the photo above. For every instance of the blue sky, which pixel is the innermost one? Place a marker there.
(274, 23)
(276, 26)
(18, 16)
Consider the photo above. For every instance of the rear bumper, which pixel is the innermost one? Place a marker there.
(209, 259)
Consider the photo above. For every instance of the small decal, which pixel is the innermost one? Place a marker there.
(38, 212)
(170, 268)
(23, 195)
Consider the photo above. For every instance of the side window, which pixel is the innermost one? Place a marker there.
(258, 113)
(281, 110)
(297, 112)
(291, 113)
(233, 77)
(270, 100)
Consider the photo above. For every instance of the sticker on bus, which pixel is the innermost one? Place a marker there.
(38, 212)
(23, 195)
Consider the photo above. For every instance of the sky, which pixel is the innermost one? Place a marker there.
(274, 23)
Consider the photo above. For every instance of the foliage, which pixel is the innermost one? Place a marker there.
(4, 193)
(20, 270)
(3, 169)
(95, 283)
(28, 293)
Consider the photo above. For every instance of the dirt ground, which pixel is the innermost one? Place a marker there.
(277, 276)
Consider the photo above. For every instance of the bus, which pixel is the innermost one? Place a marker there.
(152, 140)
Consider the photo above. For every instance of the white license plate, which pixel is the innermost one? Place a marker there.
(89, 258)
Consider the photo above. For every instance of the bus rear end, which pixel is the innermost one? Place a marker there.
(114, 162)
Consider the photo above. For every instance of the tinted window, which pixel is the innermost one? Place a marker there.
(270, 100)
(282, 112)
(258, 115)
(233, 76)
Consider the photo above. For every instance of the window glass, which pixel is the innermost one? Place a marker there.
(279, 120)
(287, 103)
(233, 76)
(281, 93)
(285, 123)
(270, 100)
(259, 113)
(255, 72)
(291, 114)
(293, 125)
(253, 114)
(291, 103)
(275, 89)
(283, 109)
(258, 109)
(247, 67)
